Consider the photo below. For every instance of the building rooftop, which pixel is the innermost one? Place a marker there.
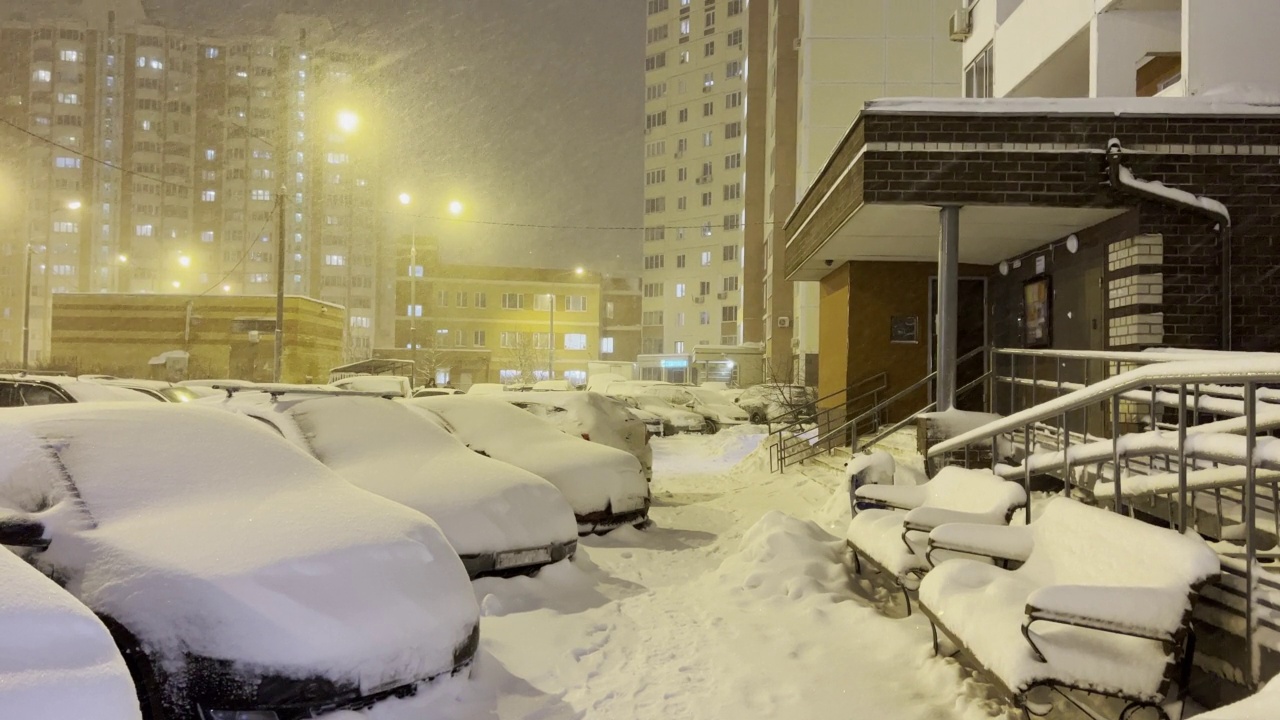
(1225, 103)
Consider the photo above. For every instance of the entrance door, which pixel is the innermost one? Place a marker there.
(971, 315)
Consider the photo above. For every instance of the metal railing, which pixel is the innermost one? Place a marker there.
(841, 427)
(815, 420)
(1147, 381)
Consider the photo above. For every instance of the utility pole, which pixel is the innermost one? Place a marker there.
(413, 300)
(552, 343)
(26, 313)
(278, 372)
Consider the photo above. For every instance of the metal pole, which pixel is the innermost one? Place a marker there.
(277, 374)
(1115, 450)
(413, 301)
(1026, 468)
(26, 314)
(948, 297)
(1250, 529)
(552, 342)
(1182, 458)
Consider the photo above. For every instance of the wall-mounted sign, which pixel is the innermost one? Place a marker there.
(904, 329)
(1040, 264)
(1037, 312)
(673, 363)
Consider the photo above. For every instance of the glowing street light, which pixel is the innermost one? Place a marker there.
(455, 207)
(226, 288)
(578, 270)
(405, 198)
(73, 205)
(177, 284)
(122, 258)
(348, 121)
(184, 261)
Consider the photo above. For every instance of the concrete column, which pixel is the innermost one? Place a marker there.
(1120, 39)
(948, 299)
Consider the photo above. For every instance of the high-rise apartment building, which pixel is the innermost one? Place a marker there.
(825, 60)
(695, 149)
(145, 159)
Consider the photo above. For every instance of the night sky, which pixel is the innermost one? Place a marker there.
(529, 111)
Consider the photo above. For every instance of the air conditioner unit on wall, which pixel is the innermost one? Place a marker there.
(784, 321)
(722, 296)
(961, 25)
(700, 299)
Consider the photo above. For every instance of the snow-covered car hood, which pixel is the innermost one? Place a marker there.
(592, 477)
(602, 419)
(724, 412)
(483, 505)
(205, 533)
(57, 661)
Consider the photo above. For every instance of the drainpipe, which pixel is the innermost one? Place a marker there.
(1122, 179)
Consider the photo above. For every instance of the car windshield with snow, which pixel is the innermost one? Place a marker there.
(674, 419)
(23, 390)
(500, 519)
(240, 577)
(606, 487)
(592, 416)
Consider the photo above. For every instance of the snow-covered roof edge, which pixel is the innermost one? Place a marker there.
(1209, 105)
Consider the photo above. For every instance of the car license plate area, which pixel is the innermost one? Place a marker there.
(520, 558)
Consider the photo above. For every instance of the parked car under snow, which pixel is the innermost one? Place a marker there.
(24, 390)
(605, 487)
(57, 661)
(593, 417)
(674, 419)
(500, 519)
(240, 577)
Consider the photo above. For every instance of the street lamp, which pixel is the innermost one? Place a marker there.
(184, 261)
(72, 205)
(348, 121)
(455, 207)
(406, 199)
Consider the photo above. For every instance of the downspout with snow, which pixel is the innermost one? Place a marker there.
(1122, 179)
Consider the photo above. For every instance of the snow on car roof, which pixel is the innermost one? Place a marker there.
(389, 448)
(204, 532)
(85, 390)
(58, 660)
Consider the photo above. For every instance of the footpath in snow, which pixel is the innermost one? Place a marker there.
(735, 604)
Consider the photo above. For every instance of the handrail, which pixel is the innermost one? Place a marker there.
(927, 408)
(882, 376)
(1141, 358)
(1179, 372)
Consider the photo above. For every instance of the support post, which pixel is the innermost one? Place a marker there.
(278, 366)
(26, 312)
(1251, 535)
(413, 303)
(948, 299)
(551, 353)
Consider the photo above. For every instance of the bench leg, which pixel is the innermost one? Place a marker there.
(857, 564)
(937, 650)
(906, 596)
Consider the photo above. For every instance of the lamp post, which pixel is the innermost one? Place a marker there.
(551, 345)
(73, 205)
(405, 200)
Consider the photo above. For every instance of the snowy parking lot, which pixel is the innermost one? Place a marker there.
(736, 603)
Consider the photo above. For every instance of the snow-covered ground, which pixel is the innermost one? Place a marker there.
(735, 604)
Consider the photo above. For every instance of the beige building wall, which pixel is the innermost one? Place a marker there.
(695, 146)
(844, 53)
(226, 337)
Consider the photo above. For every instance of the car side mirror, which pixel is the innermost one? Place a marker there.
(21, 530)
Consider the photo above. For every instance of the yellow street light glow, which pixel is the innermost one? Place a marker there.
(177, 284)
(184, 261)
(122, 258)
(73, 205)
(578, 270)
(226, 288)
(405, 198)
(455, 207)
(348, 121)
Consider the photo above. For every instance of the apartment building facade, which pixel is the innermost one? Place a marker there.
(465, 324)
(695, 138)
(825, 60)
(152, 160)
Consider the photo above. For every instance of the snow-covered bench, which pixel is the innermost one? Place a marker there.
(891, 523)
(1101, 603)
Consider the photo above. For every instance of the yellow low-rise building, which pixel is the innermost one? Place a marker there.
(176, 337)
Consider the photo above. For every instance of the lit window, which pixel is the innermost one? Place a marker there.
(157, 64)
(706, 259)
(66, 227)
(260, 195)
(606, 345)
(42, 76)
(69, 98)
(680, 290)
(66, 162)
(206, 236)
(143, 230)
(69, 56)
(210, 154)
(679, 347)
(337, 158)
(209, 195)
(211, 52)
(575, 341)
(542, 302)
(335, 260)
(414, 311)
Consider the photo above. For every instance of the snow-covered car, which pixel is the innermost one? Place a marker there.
(605, 487)
(552, 386)
(764, 403)
(486, 389)
(159, 389)
(433, 391)
(499, 518)
(239, 576)
(57, 661)
(22, 390)
(652, 422)
(731, 394)
(719, 411)
(674, 419)
(593, 417)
